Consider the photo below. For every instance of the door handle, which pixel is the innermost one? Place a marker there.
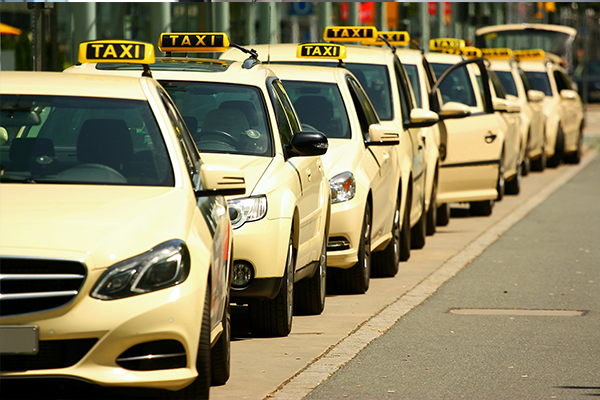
(490, 137)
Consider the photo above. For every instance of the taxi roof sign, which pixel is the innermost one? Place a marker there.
(468, 51)
(127, 51)
(350, 34)
(394, 38)
(497, 53)
(445, 43)
(321, 50)
(536, 54)
(197, 42)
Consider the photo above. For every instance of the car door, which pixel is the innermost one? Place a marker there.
(310, 173)
(571, 108)
(383, 196)
(473, 143)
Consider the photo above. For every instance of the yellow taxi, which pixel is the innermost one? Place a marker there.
(517, 86)
(473, 169)
(384, 80)
(116, 240)
(562, 105)
(240, 115)
(361, 165)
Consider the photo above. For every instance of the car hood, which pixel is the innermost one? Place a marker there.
(253, 167)
(341, 156)
(100, 224)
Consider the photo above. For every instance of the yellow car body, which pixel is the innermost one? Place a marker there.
(71, 222)
(294, 189)
(327, 100)
(384, 93)
(471, 171)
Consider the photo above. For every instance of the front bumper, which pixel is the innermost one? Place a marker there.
(346, 222)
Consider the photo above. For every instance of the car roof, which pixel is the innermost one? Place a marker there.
(409, 56)
(520, 27)
(57, 83)
(180, 68)
(443, 58)
(309, 73)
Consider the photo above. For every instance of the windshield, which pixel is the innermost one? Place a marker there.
(540, 81)
(320, 107)
(413, 77)
(508, 82)
(82, 140)
(457, 86)
(223, 117)
(550, 41)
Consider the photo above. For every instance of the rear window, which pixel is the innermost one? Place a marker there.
(82, 140)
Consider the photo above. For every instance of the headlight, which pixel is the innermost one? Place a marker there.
(163, 266)
(246, 210)
(343, 187)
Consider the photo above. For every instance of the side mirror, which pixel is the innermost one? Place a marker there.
(307, 143)
(513, 105)
(454, 110)
(219, 180)
(535, 96)
(568, 94)
(420, 118)
(500, 104)
(383, 135)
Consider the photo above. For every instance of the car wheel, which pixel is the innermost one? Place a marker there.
(559, 149)
(270, 318)
(355, 280)
(575, 158)
(385, 263)
(526, 164)
(432, 211)
(500, 185)
(220, 356)
(405, 235)
(481, 208)
(443, 215)
(200, 388)
(514, 185)
(539, 164)
(309, 293)
(419, 231)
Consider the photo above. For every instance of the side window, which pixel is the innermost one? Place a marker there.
(498, 88)
(287, 120)
(188, 148)
(404, 90)
(364, 109)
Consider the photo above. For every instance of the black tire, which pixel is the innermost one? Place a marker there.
(443, 215)
(273, 318)
(200, 388)
(309, 293)
(575, 158)
(405, 235)
(432, 211)
(220, 356)
(419, 231)
(356, 279)
(514, 185)
(526, 163)
(559, 149)
(501, 184)
(481, 208)
(384, 263)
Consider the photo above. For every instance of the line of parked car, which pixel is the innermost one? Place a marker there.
(141, 196)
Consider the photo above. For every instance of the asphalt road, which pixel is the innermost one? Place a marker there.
(550, 260)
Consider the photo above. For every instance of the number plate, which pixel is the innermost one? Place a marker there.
(22, 339)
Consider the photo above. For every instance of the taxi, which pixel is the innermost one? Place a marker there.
(116, 244)
(517, 85)
(382, 76)
(473, 169)
(360, 164)
(239, 114)
(562, 105)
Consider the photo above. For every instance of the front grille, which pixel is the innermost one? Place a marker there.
(34, 285)
(52, 354)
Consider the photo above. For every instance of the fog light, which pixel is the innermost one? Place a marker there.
(243, 274)
(338, 243)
